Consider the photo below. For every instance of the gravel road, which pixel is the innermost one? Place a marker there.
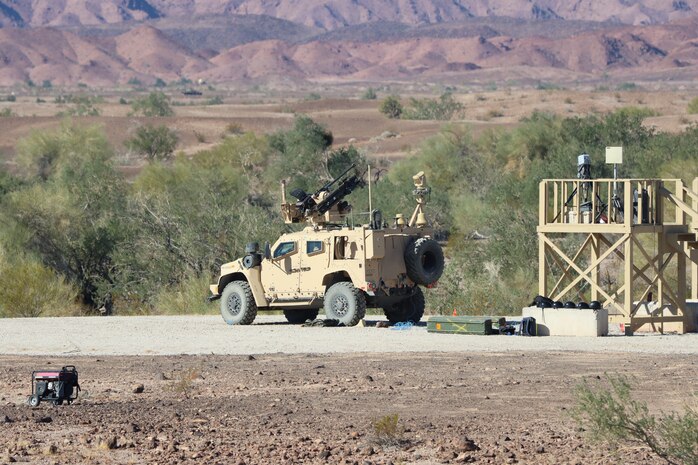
(173, 335)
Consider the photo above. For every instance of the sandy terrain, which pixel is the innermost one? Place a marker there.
(285, 394)
(351, 120)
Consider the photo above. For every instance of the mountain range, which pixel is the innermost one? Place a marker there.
(109, 42)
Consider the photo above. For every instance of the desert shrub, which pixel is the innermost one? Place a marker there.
(135, 82)
(693, 106)
(627, 86)
(159, 83)
(7, 113)
(444, 108)
(123, 101)
(155, 104)
(46, 84)
(188, 296)
(386, 430)
(183, 382)
(313, 96)
(200, 137)
(155, 142)
(30, 289)
(547, 86)
(82, 105)
(610, 414)
(233, 129)
(370, 94)
(11, 98)
(391, 107)
(215, 101)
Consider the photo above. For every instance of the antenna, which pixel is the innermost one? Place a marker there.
(370, 203)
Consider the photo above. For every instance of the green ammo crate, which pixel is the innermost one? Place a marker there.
(460, 324)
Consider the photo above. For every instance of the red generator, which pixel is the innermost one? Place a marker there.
(54, 386)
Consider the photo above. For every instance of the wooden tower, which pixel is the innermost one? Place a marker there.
(629, 243)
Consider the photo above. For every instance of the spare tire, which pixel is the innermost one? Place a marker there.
(424, 261)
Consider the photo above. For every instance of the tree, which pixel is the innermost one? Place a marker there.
(191, 216)
(391, 107)
(156, 143)
(155, 104)
(301, 151)
(72, 217)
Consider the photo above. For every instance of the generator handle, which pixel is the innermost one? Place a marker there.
(69, 368)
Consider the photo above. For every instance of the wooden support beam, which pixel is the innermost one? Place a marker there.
(582, 274)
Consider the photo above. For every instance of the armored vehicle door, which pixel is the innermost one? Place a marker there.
(282, 271)
(314, 263)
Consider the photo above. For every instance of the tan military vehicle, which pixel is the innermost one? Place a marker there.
(329, 264)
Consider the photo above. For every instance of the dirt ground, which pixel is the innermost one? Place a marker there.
(351, 120)
(317, 409)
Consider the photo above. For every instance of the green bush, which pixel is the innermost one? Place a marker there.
(391, 107)
(72, 216)
(386, 430)
(444, 108)
(693, 106)
(156, 143)
(610, 414)
(215, 101)
(155, 104)
(301, 152)
(29, 289)
(370, 94)
(188, 296)
(82, 105)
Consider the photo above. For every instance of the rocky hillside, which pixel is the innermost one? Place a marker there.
(108, 42)
(335, 14)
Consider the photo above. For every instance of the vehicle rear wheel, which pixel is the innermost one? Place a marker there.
(237, 304)
(345, 303)
(410, 309)
(296, 317)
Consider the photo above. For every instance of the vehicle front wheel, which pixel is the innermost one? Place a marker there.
(237, 304)
(410, 309)
(34, 401)
(345, 303)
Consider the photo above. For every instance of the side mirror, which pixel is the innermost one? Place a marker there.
(267, 250)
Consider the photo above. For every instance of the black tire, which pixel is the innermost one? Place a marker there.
(424, 261)
(345, 303)
(410, 309)
(34, 401)
(296, 317)
(58, 402)
(237, 304)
